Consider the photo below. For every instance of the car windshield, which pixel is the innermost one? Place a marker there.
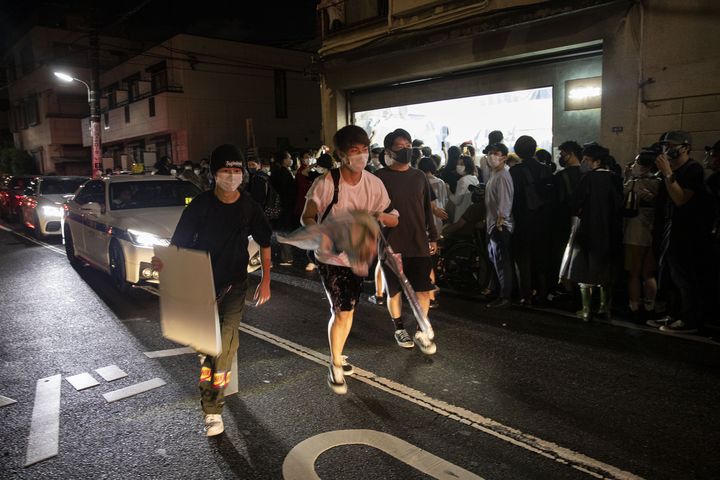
(128, 195)
(60, 186)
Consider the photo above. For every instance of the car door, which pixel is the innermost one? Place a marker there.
(29, 204)
(95, 225)
(77, 207)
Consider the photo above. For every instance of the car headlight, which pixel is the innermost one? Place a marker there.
(145, 239)
(52, 211)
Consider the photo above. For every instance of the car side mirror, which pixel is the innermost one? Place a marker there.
(93, 208)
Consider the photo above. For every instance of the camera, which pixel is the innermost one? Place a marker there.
(647, 155)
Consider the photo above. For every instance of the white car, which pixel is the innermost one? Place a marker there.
(114, 222)
(42, 207)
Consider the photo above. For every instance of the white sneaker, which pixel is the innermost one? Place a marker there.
(425, 345)
(347, 367)
(310, 267)
(402, 337)
(213, 424)
(336, 380)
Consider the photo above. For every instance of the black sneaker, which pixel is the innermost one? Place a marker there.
(499, 303)
(678, 326)
(377, 300)
(336, 380)
(402, 337)
(347, 368)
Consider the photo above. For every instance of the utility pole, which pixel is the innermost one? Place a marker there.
(94, 97)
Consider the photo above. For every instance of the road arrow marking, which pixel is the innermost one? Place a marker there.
(45, 424)
(132, 390)
(111, 372)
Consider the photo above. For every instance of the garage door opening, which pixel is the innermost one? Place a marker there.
(452, 122)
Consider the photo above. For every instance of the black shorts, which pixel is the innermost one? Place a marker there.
(416, 269)
(343, 287)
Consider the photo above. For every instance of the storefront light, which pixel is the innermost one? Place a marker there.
(583, 93)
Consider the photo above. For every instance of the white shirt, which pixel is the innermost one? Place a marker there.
(368, 194)
(462, 198)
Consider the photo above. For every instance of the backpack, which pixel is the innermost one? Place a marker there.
(537, 192)
(272, 202)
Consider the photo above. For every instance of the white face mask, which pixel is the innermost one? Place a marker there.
(228, 182)
(196, 171)
(357, 162)
(460, 169)
(494, 160)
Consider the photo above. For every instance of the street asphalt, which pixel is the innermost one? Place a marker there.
(510, 394)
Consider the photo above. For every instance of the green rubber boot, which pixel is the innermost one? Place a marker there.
(586, 296)
(605, 300)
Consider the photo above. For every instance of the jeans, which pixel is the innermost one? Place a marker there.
(499, 252)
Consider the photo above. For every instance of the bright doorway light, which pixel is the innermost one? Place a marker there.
(522, 112)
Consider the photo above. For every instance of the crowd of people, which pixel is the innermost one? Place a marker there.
(548, 231)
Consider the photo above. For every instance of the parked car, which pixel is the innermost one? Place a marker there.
(12, 194)
(42, 207)
(114, 222)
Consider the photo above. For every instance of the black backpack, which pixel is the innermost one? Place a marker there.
(538, 192)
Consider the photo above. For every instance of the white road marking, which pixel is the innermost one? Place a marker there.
(132, 390)
(487, 425)
(45, 424)
(6, 401)
(170, 352)
(82, 381)
(299, 464)
(111, 372)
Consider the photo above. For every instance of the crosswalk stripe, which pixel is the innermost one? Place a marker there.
(132, 390)
(45, 424)
(171, 352)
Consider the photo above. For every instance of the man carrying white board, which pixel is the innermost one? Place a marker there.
(219, 222)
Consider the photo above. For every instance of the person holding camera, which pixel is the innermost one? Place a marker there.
(686, 234)
(641, 187)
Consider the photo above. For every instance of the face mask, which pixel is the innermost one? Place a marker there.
(187, 168)
(404, 155)
(196, 171)
(562, 161)
(252, 169)
(357, 162)
(493, 161)
(229, 182)
(320, 170)
(266, 170)
(460, 169)
(173, 171)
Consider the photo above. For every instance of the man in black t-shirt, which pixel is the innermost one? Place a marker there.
(415, 237)
(684, 206)
(219, 221)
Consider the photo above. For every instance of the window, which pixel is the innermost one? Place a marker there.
(112, 95)
(151, 194)
(127, 113)
(133, 85)
(159, 77)
(30, 108)
(106, 119)
(93, 191)
(151, 106)
(280, 94)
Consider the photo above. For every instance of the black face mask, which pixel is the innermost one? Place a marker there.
(403, 155)
(562, 161)
(252, 170)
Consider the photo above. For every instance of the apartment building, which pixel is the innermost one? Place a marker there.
(619, 72)
(189, 94)
(180, 98)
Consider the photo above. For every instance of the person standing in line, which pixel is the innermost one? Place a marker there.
(496, 136)
(281, 178)
(499, 223)
(415, 238)
(357, 189)
(218, 222)
(461, 197)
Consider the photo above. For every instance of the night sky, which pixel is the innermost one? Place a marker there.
(283, 24)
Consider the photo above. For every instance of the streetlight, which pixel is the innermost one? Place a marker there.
(94, 122)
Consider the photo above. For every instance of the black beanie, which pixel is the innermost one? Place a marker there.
(225, 156)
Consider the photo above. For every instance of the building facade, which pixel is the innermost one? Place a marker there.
(180, 98)
(618, 72)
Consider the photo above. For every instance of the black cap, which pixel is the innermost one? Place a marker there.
(498, 147)
(397, 133)
(595, 150)
(677, 137)
(225, 156)
(715, 148)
